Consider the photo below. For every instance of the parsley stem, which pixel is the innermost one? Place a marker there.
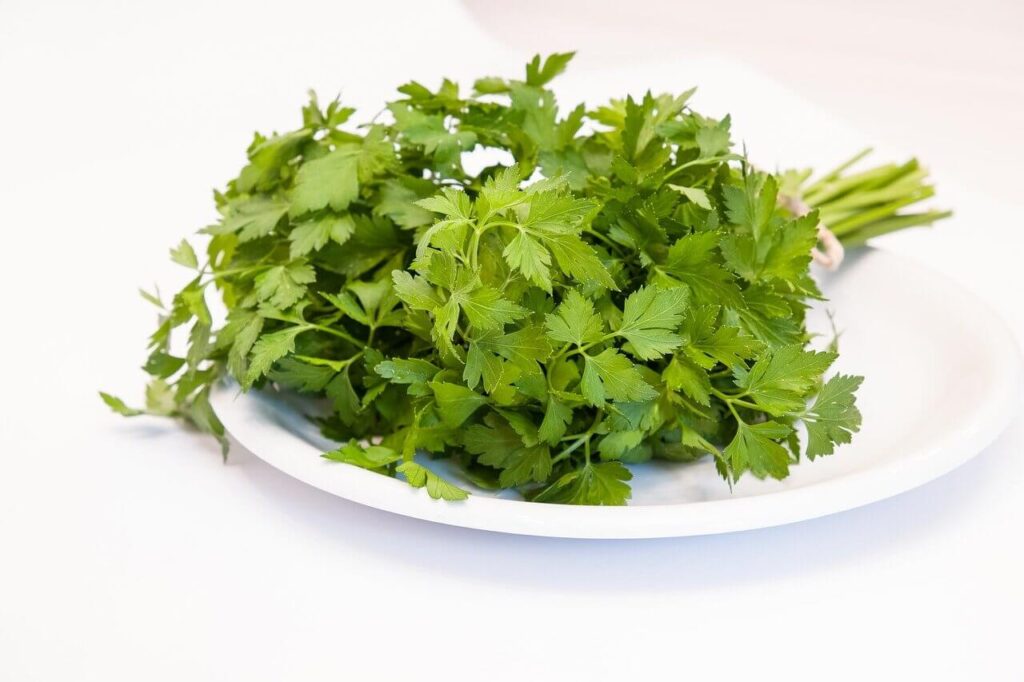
(697, 162)
(581, 439)
(235, 271)
(502, 223)
(601, 237)
(474, 247)
(579, 350)
(731, 400)
(569, 450)
(728, 403)
(837, 171)
(335, 332)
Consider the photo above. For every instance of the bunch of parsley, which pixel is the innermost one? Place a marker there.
(629, 288)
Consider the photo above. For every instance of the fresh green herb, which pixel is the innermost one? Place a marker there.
(627, 287)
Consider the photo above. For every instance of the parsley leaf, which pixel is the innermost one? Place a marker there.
(650, 320)
(418, 476)
(610, 375)
(834, 417)
(603, 483)
(331, 180)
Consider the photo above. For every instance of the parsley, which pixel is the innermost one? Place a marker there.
(629, 288)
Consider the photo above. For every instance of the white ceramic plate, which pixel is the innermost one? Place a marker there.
(943, 376)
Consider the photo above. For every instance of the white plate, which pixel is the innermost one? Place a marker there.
(943, 376)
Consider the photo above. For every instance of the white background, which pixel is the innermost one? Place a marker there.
(128, 551)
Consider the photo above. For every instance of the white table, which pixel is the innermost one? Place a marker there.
(128, 551)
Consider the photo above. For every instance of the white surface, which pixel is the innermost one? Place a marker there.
(129, 552)
(928, 323)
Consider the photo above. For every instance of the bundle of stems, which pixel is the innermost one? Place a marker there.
(857, 206)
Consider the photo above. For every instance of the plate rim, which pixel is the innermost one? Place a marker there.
(702, 517)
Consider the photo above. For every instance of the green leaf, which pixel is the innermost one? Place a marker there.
(780, 381)
(540, 73)
(331, 180)
(183, 254)
(498, 445)
(160, 398)
(153, 298)
(450, 202)
(574, 321)
(525, 347)
(200, 413)
(481, 364)
(557, 417)
(693, 260)
(313, 235)
(752, 206)
(456, 403)
(578, 260)
(552, 213)
(612, 376)
(694, 194)
(283, 285)
(163, 365)
(419, 476)
(617, 443)
(501, 192)
(246, 329)
(347, 304)
(268, 158)
(706, 343)
(301, 376)
(486, 309)
(603, 483)
(525, 254)
(756, 448)
(416, 292)
(683, 374)
(834, 417)
(344, 399)
(713, 138)
(650, 319)
(369, 457)
(523, 466)
(253, 219)
(790, 254)
(430, 132)
(398, 202)
(413, 372)
(268, 349)
(118, 405)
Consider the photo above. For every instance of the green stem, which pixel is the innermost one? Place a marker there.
(474, 247)
(569, 450)
(334, 332)
(732, 400)
(836, 172)
(698, 162)
(602, 238)
(870, 197)
(860, 219)
(583, 439)
(892, 224)
(232, 271)
(841, 186)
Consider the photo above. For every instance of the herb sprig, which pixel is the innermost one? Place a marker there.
(629, 288)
